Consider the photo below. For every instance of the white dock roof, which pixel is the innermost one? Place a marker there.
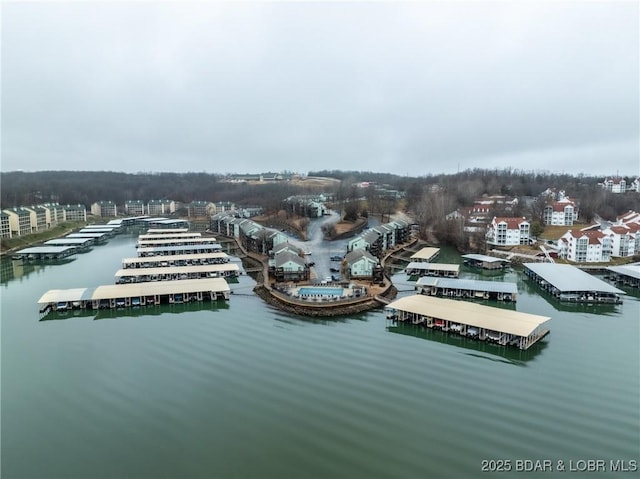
(433, 266)
(471, 314)
(426, 254)
(468, 284)
(485, 258)
(135, 289)
(176, 257)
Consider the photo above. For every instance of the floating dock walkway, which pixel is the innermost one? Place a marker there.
(485, 323)
(570, 284)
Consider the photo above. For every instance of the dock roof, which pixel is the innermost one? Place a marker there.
(86, 235)
(45, 250)
(631, 270)
(205, 268)
(184, 247)
(468, 284)
(133, 290)
(157, 236)
(472, 314)
(485, 258)
(426, 253)
(568, 278)
(433, 266)
(67, 241)
(176, 257)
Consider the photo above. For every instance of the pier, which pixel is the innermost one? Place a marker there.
(467, 288)
(134, 295)
(628, 275)
(485, 323)
(177, 273)
(420, 268)
(483, 261)
(570, 284)
(175, 260)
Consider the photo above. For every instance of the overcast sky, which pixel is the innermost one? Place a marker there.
(410, 88)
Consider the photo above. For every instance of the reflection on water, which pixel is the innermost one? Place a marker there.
(509, 354)
(11, 270)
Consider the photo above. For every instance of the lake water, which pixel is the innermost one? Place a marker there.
(242, 390)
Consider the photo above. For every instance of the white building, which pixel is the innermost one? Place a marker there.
(360, 264)
(104, 209)
(560, 213)
(508, 231)
(615, 185)
(625, 239)
(592, 246)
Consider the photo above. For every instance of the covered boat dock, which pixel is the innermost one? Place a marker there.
(627, 275)
(179, 250)
(162, 241)
(420, 268)
(568, 283)
(82, 244)
(136, 294)
(484, 261)
(485, 323)
(467, 288)
(36, 253)
(176, 260)
(425, 255)
(141, 275)
(161, 235)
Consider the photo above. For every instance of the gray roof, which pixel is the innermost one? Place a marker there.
(565, 278)
(186, 247)
(45, 249)
(485, 258)
(632, 270)
(357, 254)
(469, 284)
(68, 241)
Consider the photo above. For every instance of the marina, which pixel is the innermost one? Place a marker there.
(162, 241)
(570, 284)
(467, 288)
(179, 250)
(419, 268)
(485, 323)
(628, 275)
(175, 260)
(483, 261)
(168, 273)
(133, 295)
(39, 253)
(426, 255)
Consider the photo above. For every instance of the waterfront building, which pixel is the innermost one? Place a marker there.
(20, 221)
(5, 225)
(586, 246)
(104, 209)
(360, 264)
(134, 208)
(161, 207)
(75, 212)
(200, 208)
(509, 231)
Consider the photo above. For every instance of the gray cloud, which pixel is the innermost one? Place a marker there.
(409, 88)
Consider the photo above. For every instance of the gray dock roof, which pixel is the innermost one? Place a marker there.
(176, 257)
(185, 247)
(471, 314)
(45, 249)
(469, 284)
(485, 258)
(86, 235)
(157, 236)
(567, 278)
(631, 270)
(67, 241)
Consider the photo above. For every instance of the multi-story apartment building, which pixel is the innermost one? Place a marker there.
(75, 213)
(5, 226)
(591, 246)
(509, 231)
(615, 185)
(134, 208)
(200, 208)
(104, 209)
(161, 207)
(20, 221)
(561, 213)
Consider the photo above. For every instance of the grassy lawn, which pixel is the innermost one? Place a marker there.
(554, 232)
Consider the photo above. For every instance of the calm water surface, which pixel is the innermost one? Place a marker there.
(242, 390)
